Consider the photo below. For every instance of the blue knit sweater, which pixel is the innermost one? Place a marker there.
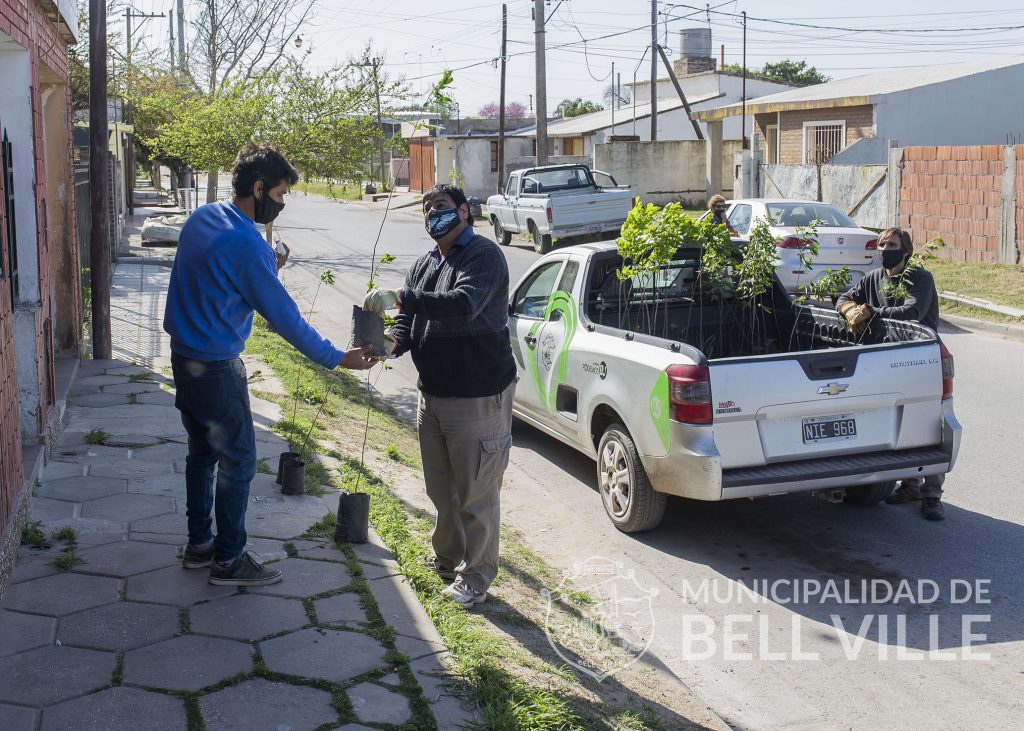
(224, 270)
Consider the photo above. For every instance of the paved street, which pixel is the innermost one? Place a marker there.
(789, 539)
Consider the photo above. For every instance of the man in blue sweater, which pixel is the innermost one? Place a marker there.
(223, 271)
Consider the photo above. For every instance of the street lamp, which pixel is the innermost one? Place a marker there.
(298, 41)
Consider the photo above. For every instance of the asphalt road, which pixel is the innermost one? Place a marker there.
(762, 660)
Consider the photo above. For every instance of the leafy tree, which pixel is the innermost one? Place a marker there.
(611, 91)
(575, 107)
(794, 73)
(514, 110)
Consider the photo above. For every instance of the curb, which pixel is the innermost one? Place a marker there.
(165, 261)
(1005, 330)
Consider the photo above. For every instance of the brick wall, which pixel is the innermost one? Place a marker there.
(1019, 213)
(10, 429)
(954, 193)
(860, 124)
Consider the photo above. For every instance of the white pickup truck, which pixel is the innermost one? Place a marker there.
(557, 201)
(674, 392)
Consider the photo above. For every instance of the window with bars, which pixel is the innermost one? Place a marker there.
(7, 202)
(494, 157)
(823, 141)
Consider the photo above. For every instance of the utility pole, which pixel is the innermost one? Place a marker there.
(380, 121)
(181, 34)
(99, 233)
(654, 71)
(170, 19)
(542, 83)
(615, 97)
(743, 87)
(501, 99)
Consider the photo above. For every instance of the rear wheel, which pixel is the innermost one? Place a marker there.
(869, 494)
(630, 501)
(541, 242)
(503, 237)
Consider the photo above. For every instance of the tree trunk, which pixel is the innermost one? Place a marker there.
(211, 186)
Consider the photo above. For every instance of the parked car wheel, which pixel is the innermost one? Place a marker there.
(869, 494)
(541, 242)
(503, 237)
(630, 501)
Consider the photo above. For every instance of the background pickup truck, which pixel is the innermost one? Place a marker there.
(558, 201)
(676, 392)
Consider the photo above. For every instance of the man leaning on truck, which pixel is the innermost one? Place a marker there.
(872, 296)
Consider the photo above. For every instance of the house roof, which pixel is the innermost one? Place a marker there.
(859, 90)
(589, 123)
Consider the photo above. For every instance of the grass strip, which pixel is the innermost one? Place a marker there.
(337, 191)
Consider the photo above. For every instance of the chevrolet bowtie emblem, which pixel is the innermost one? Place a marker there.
(832, 389)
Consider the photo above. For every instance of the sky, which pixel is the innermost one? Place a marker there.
(418, 40)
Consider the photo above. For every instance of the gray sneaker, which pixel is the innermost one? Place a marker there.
(193, 558)
(245, 571)
(463, 594)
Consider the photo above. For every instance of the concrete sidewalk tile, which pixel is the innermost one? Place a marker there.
(267, 549)
(373, 571)
(120, 626)
(82, 489)
(340, 608)
(401, 609)
(99, 400)
(43, 508)
(374, 704)
(127, 558)
(188, 662)
(248, 617)
(415, 648)
(170, 539)
(281, 526)
(136, 387)
(62, 594)
(127, 370)
(118, 709)
(374, 550)
(18, 718)
(93, 454)
(101, 380)
(169, 485)
(443, 691)
(325, 551)
(89, 527)
(52, 674)
(33, 565)
(323, 653)
(174, 585)
(128, 507)
(55, 470)
(132, 440)
(155, 398)
(301, 578)
(20, 632)
(167, 452)
(262, 704)
(137, 468)
(265, 484)
(171, 523)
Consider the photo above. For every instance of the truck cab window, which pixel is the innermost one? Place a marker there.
(532, 297)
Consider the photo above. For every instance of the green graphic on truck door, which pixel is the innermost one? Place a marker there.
(548, 362)
(659, 406)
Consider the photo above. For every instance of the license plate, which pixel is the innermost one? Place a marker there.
(826, 428)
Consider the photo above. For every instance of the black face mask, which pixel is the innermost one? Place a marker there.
(267, 209)
(891, 258)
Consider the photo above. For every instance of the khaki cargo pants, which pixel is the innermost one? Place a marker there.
(465, 443)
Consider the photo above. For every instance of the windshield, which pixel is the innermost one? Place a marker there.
(541, 181)
(804, 214)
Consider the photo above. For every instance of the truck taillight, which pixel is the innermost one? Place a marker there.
(689, 394)
(549, 214)
(947, 372)
(871, 245)
(791, 242)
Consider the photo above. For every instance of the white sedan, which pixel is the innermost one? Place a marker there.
(841, 241)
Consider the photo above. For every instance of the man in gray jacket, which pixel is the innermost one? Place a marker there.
(453, 319)
(899, 293)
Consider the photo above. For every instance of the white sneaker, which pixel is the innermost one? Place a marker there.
(463, 594)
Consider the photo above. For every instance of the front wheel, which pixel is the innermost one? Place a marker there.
(869, 494)
(503, 237)
(541, 242)
(630, 501)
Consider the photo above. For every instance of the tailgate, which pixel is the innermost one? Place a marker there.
(608, 208)
(825, 403)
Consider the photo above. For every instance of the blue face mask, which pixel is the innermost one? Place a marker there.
(441, 222)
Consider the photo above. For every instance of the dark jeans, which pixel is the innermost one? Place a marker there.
(213, 398)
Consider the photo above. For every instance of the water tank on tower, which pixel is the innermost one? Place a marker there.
(695, 52)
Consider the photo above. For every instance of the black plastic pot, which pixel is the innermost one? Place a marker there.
(293, 478)
(284, 459)
(368, 329)
(353, 518)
